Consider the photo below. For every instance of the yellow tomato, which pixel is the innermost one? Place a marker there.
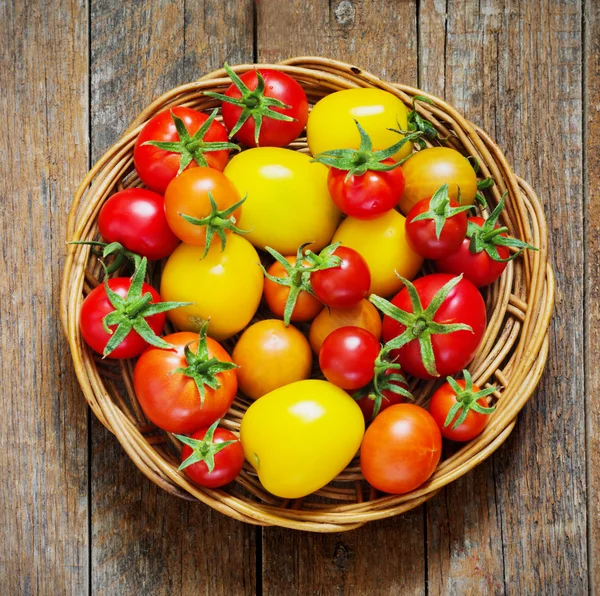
(287, 202)
(331, 122)
(382, 243)
(431, 168)
(225, 286)
(270, 355)
(301, 436)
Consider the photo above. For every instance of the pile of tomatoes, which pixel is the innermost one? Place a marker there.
(328, 243)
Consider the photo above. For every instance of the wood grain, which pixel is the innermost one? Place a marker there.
(144, 540)
(43, 429)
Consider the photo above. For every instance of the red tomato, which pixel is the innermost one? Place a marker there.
(368, 195)
(136, 218)
(170, 399)
(452, 351)
(281, 95)
(347, 357)
(387, 398)
(401, 449)
(157, 167)
(344, 285)
(212, 457)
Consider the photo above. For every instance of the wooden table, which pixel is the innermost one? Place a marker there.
(76, 516)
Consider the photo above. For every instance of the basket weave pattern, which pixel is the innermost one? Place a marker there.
(512, 353)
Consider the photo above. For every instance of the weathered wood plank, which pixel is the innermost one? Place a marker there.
(43, 427)
(145, 540)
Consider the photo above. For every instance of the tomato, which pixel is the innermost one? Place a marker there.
(460, 409)
(171, 398)
(428, 169)
(345, 284)
(428, 350)
(263, 107)
(188, 196)
(382, 243)
(363, 314)
(401, 449)
(331, 122)
(347, 357)
(288, 203)
(135, 218)
(436, 227)
(270, 355)
(212, 457)
(226, 286)
(177, 130)
(305, 307)
(372, 404)
(301, 436)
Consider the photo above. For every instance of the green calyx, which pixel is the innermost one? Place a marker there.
(192, 147)
(488, 237)
(202, 367)
(466, 400)
(217, 221)
(420, 324)
(440, 210)
(417, 124)
(364, 159)
(113, 248)
(131, 312)
(204, 449)
(254, 103)
(325, 259)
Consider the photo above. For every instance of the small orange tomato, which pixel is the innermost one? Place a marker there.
(188, 194)
(307, 306)
(363, 315)
(271, 355)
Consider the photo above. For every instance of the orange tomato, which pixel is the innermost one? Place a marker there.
(363, 315)
(271, 355)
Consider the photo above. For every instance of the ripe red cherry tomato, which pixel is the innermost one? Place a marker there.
(368, 195)
(347, 357)
(344, 285)
(135, 217)
(388, 398)
(157, 167)
(401, 449)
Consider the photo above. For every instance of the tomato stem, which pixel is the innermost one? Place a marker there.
(466, 400)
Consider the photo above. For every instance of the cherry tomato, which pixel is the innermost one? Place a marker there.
(135, 217)
(157, 167)
(363, 315)
(271, 355)
(344, 285)
(388, 398)
(401, 449)
(347, 357)
(171, 400)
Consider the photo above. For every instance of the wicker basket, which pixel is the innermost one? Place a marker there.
(512, 353)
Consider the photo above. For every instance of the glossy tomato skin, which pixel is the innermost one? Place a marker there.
(390, 398)
(157, 167)
(421, 234)
(452, 351)
(225, 286)
(301, 436)
(273, 133)
(363, 314)
(430, 168)
(96, 306)
(345, 285)
(228, 462)
(382, 243)
(135, 217)
(171, 400)
(188, 194)
(401, 449)
(307, 306)
(347, 357)
(367, 195)
(480, 269)
(441, 403)
(331, 122)
(271, 355)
